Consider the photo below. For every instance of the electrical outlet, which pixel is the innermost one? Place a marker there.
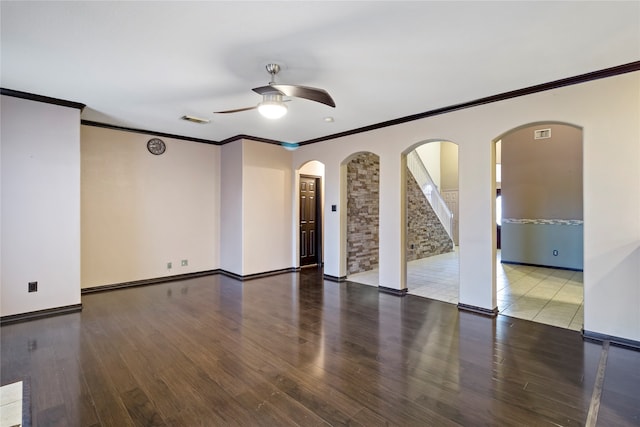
(185, 262)
(33, 287)
(169, 265)
(555, 252)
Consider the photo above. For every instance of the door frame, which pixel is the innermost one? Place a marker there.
(319, 219)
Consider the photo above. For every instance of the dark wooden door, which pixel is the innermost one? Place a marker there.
(309, 223)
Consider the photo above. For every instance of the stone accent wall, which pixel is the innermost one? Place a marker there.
(424, 230)
(363, 206)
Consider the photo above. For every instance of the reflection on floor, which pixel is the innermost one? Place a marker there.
(544, 295)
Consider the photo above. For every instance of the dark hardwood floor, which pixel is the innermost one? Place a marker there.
(295, 350)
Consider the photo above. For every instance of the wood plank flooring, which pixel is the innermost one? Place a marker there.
(296, 350)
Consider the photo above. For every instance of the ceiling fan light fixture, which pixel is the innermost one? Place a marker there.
(272, 106)
(272, 109)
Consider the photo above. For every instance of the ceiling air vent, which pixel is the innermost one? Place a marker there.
(542, 134)
(195, 119)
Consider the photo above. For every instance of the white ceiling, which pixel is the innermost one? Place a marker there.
(145, 64)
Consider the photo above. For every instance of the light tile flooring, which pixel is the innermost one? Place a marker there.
(544, 295)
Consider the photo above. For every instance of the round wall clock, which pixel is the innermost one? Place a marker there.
(156, 146)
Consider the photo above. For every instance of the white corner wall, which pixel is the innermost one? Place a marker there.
(141, 211)
(40, 193)
(256, 208)
(231, 208)
(608, 110)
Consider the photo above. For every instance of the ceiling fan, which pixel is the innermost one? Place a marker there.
(273, 106)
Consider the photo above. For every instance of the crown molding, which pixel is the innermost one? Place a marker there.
(582, 78)
(569, 81)
(148, 132)
(253, 138)
(41, 98)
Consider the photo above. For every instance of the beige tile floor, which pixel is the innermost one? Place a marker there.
(541, 294)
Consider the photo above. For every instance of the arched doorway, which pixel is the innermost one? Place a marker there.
(540, 259)
(431, 190)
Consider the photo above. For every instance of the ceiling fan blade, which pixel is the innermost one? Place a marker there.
(237, 110)
(306, 92)
(267, 90)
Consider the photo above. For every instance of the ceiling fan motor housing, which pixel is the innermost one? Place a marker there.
(273, 69)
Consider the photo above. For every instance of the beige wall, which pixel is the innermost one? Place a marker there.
(542, 178)
(231, 208)
(449, 166)
(267, 207)
(430, 155)
(141, 211)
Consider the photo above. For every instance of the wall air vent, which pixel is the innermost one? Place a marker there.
(542, 134)
(195, 119)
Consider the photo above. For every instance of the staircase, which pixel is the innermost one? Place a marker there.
(422, 177)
